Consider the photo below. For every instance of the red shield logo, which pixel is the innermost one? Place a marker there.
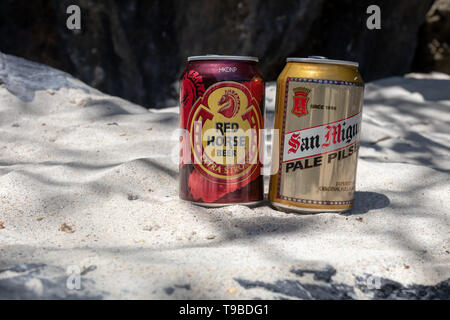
(300, 107)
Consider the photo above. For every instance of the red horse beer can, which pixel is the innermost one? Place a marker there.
(221, 114)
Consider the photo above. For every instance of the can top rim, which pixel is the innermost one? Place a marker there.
(319, 59)
(222, 57)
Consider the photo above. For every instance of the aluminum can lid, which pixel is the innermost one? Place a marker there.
(220, 57)
(320, 59)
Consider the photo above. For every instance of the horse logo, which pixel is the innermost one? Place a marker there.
(229, 104)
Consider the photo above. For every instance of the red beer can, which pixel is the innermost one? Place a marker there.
(221, 114)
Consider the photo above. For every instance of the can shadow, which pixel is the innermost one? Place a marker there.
(366, 201)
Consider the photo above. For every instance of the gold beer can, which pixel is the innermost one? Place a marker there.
(318, 118)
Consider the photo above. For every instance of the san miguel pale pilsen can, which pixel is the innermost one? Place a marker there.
(221, 114)
(318, 115)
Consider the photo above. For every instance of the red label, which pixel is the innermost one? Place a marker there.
(224, 126)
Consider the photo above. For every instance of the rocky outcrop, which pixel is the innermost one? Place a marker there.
(433, 52)
(137, 49)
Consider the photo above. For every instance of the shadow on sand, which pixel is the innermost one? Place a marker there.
(366, 201)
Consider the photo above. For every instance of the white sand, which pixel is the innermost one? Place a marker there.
(70, 154)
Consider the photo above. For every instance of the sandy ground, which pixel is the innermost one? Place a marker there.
(88, 184)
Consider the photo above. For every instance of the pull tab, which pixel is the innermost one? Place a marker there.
(317, 57)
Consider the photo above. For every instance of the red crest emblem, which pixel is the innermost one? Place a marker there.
(300, 101)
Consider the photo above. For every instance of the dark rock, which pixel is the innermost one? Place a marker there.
(137, 49)
(370, 286)
(340, 32)
(29, 29)
(296, 289)
(433, 51)
(132, 197)
(40, 281)
(23, 78)
(169, 290)
(183, 286)
(326, 288)
(320, 275)
(392, 290)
